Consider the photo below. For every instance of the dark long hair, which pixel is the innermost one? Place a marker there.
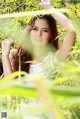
(54, 42)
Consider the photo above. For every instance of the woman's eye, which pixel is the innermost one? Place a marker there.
(45, 30)
(34, 28)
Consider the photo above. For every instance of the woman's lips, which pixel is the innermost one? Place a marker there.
(38, 39)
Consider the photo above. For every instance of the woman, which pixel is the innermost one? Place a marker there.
(43, 31)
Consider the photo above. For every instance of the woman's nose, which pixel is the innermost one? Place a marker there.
(39, 33)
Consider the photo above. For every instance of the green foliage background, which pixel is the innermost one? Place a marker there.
(66, 86)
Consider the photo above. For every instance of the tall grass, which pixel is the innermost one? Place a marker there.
(57, 96)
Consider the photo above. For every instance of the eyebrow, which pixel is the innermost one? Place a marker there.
(43, 27)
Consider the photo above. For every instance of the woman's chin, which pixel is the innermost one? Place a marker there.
(37, 43)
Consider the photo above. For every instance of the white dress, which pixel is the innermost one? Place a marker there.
(45, 67)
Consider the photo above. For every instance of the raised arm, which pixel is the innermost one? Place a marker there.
(7, 56)
(66, 23)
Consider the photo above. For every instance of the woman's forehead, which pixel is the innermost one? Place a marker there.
(41, 21)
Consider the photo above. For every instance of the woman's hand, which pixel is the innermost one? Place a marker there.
(7, 68)
(6, 44)
(45, 4)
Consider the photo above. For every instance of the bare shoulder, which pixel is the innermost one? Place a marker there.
(61, 55)
(58, 55)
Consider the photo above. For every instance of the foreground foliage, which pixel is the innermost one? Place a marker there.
(15, 95)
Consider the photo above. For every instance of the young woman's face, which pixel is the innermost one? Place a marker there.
(40, 34)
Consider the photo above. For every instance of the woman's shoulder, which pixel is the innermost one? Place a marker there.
(56, 57)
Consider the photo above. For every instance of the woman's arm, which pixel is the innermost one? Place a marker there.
(7, 56)
(69, 38)
(66, 23)
(10, 58)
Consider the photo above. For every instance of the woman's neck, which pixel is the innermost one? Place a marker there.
(40, 53)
